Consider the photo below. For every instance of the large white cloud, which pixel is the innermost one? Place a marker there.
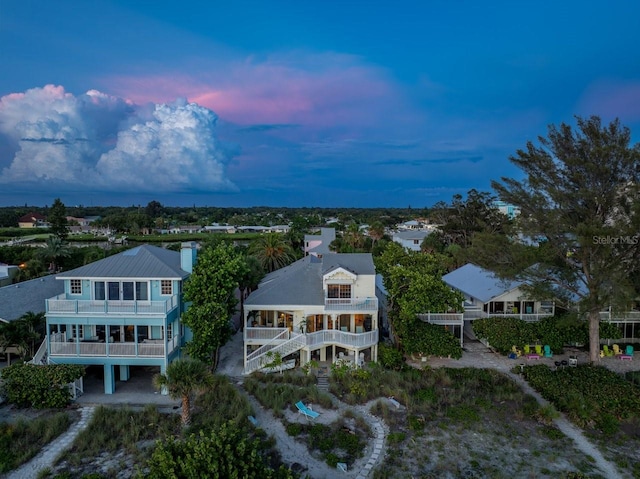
(97, 141)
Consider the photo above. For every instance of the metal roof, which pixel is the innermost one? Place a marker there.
(20, 298)
(479, 283)
(300, 283)
(140, 262)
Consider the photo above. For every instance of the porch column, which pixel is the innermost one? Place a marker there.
(109, 379)
(124, 372)
(163, 370)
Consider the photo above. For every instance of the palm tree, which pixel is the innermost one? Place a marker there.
(353, 236)
(54, 250)
(249, 281)
(33, 326)
(183, 378)
(272, 251)
(12, 335)
(376, 232)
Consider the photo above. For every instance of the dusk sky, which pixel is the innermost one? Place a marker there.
(297, 103)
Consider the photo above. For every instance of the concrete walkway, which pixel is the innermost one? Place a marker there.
(47, 456)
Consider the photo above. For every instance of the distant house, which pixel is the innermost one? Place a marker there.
(507, 209)
(7, 272)
(28, 296)
(411, 239)
(410, 225)
(124, 310)
(216, 228)
(32, 220)
(319, 244)
(487, 295)
(321, 307)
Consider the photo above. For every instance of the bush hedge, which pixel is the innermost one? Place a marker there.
(504, 332)
(38, 386)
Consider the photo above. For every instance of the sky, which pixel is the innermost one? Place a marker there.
(297, 103)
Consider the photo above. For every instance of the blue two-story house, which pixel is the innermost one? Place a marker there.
(121, 311)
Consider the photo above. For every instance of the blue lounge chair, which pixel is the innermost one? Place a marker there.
(629, 350)
(547, 351)
(308, 412)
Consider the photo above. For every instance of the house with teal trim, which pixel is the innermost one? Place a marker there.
(121, 311)
(323, 307)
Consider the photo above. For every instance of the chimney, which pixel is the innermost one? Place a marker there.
(188, 256)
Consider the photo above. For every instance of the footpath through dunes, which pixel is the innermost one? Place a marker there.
(477, 355)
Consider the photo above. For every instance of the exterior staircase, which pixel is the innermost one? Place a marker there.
(285, 343)
(41, 356)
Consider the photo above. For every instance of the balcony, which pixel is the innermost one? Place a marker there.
(351, 304)
(442, 318)
(342, 338)
(60, 305)
(317, 339)
(145, 349)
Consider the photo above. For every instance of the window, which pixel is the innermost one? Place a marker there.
(125, 290)
(98, 289)
(113, 291)
(76, 286)
(142, 291)
(339, 291)
(169, 331)
(166, 286)
(77, 331)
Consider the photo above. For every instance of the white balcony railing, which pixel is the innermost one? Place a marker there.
(442, 318)
(625, 316)
(146, 349)
(61, 305)
(351, 304)
(342, 338)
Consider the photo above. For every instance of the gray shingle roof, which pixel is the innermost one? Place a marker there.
(20, 298)
(300, 283)
(478, 283)
(140, 262)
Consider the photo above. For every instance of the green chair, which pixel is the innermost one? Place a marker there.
(547, 351)
(629, 350)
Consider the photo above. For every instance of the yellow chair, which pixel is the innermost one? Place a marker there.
(606, 351)
(539, 349)
(527, 349)
(616, 350)
(516, 351)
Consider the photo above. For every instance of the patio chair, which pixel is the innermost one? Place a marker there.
(306, 411)
(539, 349)
(526, 349)
(606, 351)
(616, 350)
(547, 351)
(516, 351)
(629, 350)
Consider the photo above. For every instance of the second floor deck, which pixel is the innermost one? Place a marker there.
(61, 305)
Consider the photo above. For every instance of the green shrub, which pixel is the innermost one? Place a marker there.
(38, 386)
(390, 357)
(225, 452)
(428, 339)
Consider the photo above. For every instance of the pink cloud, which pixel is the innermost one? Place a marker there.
(309, 89)
(612, 98)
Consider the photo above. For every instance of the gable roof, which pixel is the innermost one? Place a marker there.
(20, 298)
(140, 262)
(478, 282)
(31, 217)
(300, 283)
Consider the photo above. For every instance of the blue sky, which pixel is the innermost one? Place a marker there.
(250, 103)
